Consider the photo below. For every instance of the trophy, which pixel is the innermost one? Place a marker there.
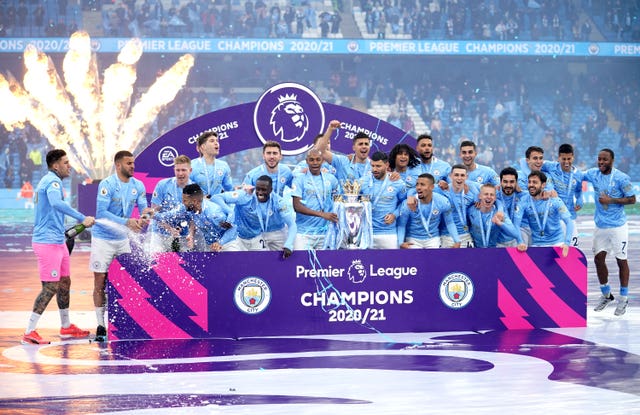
(354, 228)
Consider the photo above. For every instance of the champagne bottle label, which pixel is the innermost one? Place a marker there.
(74, 231)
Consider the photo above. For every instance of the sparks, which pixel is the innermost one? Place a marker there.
(88, 118)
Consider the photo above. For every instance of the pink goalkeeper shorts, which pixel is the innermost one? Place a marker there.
(53, 261)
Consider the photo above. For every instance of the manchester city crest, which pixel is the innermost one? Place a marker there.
(252, 295)
(456, 290)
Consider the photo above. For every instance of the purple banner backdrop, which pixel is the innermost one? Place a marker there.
(240, 294)
(288, 113)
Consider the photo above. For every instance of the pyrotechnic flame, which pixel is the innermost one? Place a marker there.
(88, 120)
(151, 102)
(12, 107)
(81, 77)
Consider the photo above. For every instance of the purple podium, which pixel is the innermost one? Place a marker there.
(245, 294)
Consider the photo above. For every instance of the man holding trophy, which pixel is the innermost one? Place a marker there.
(313, 194)
(353, 229)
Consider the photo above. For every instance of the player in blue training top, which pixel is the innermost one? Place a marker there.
(211, 174)
(476, 172)
(420, 227)
(567, 181)
(280, 175)
(118, 195)
(265, 221)
(545, 215)
(48, 244)
(312, 194)
(429, 163)
(166, 197)
(487, 223)
(386, 196)
(613, 190)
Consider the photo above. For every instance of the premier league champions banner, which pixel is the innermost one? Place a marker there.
(241, 294)
(245, 294)
(288, 113)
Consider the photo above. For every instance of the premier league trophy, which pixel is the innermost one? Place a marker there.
(354, 228)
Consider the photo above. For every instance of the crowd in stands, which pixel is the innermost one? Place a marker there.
(31, 18)
(502, 114)
(464, 19)
(550, 20)
(218, 19)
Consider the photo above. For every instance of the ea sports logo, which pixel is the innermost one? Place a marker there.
(290, 114)
(166, 155)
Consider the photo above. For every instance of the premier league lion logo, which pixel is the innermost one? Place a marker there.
(356, 272)
(290, 114)
(288, 119)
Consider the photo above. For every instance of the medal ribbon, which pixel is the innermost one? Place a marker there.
(425, 224)
(545, 215)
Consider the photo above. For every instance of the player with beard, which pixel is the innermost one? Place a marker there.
(208, 226)
(118, 194)
(544, 215)
(312, 194)
(48, 244)
(385, 196)
(420, 228)
(488, 224)
(461, 193)
(567, 181)
(280, 175)
(510, 199)
(613, 190)
(202, 223)
(429, 163)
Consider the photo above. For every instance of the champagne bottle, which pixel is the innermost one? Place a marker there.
(74, 231)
